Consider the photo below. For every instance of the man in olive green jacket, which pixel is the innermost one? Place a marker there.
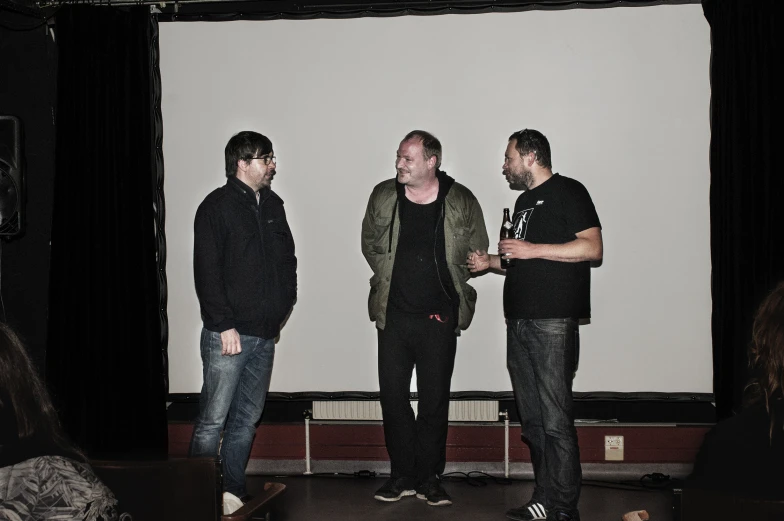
(417, 231)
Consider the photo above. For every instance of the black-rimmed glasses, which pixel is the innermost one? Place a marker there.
(267, 159)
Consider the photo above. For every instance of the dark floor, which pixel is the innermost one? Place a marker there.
(351, 499)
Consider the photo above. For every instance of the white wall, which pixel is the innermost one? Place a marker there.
(622, 94)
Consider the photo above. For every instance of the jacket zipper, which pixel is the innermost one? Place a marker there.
(257, 209)
(392, 228)
(435, 253)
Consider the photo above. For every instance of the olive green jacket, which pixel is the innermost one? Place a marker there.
(464, 231)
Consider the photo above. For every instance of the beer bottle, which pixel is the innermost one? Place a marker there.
(506, 233)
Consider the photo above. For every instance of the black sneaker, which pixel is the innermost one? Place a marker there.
(528, 512)
(394, 489)
(563, 515)
(434, 493)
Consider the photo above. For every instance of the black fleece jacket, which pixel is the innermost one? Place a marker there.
(243, 261)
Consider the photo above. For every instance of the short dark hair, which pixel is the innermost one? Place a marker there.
(529, 140)
(431, 146)
(243, 146)
(26, 396)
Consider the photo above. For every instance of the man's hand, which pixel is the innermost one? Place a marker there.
(586, 246)
(477, 261)
(230, 343)
(517, 249)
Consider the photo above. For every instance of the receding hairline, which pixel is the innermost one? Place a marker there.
(418, 140)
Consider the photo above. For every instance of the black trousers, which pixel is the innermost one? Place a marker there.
(416, 447)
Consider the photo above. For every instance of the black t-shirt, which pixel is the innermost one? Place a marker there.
(551, 213)
(418, 285)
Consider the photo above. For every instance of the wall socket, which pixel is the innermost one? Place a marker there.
(613, 448)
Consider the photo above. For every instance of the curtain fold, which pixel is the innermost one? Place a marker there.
(747, 181)
(104, 357)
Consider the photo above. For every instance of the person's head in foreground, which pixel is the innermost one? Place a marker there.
(766, 356)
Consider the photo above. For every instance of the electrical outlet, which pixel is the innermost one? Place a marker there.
(613, 448)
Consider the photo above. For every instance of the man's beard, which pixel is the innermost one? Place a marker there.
(521, 181)
(267, 179)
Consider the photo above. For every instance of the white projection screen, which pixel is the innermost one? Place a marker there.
(622, 94)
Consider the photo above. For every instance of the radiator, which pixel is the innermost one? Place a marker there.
(459, 410)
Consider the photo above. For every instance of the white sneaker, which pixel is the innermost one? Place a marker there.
(231, 503)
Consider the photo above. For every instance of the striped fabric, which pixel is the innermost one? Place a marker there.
(53, 487)
(537, 511)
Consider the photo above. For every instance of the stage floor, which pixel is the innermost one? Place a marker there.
(351, 499)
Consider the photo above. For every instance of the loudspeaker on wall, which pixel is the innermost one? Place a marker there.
(11, 177)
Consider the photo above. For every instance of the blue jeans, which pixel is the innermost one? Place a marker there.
(542, 359)
(232, 398)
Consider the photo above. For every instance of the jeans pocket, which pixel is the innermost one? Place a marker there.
(553, 326)
(210, 341)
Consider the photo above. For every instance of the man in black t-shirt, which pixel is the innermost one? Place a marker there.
(547, 291)
(417, 230)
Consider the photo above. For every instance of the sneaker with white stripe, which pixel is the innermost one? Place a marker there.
(531, 511)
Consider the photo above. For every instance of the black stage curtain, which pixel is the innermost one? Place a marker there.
(747, 182)
(104, 360)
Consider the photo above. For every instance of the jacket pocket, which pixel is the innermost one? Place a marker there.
(380, 241)
(461, 244)
(278, 229)
(469, 293)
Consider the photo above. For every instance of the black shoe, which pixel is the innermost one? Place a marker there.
(563, 515)
(433, 492)
(394, 489)
(529, 512)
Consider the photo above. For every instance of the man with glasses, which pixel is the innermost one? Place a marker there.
(417, 230)
(546, 292)
(246, 281)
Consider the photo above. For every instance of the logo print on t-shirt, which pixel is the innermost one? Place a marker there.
(521, 220)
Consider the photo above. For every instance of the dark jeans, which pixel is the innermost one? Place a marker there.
(232, 399)
(417, 448)
(542, 358)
